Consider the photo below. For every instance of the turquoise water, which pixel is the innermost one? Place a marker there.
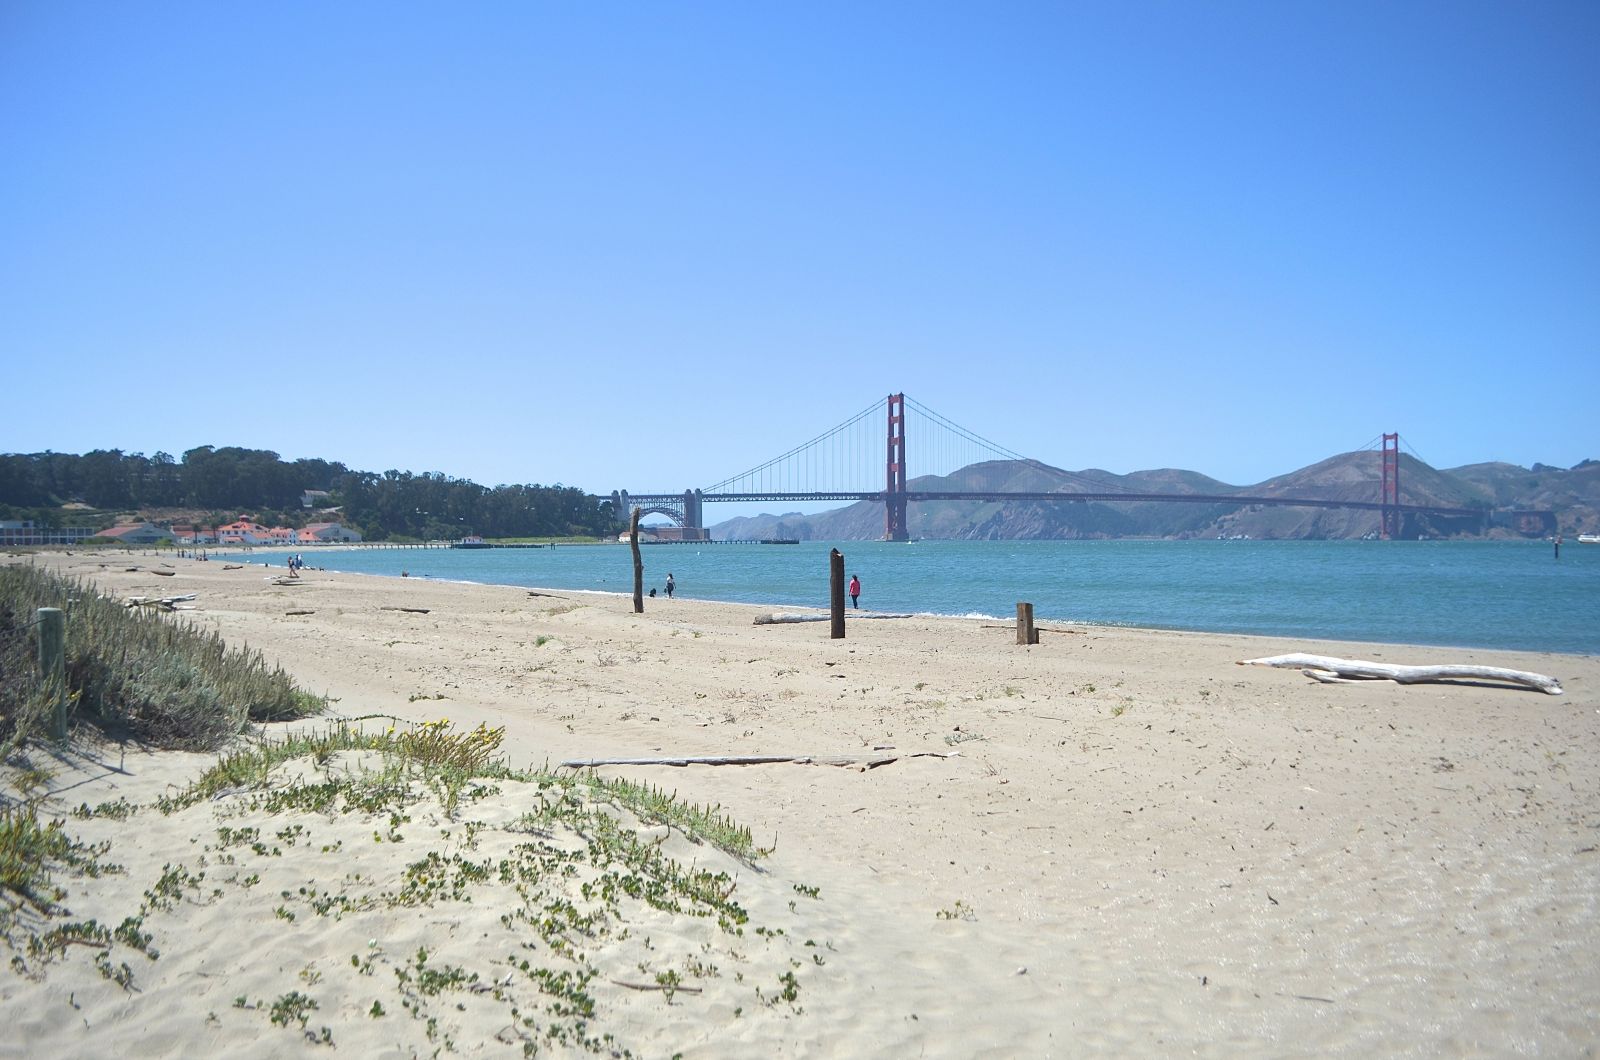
(1512, 595)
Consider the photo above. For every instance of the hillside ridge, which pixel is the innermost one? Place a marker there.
(1573, 494)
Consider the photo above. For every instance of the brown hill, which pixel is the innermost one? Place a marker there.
(1574, 493)
(1355, 476)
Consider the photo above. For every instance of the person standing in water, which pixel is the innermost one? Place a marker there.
(855, 591)
(670, 585)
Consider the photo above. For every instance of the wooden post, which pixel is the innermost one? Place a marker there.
(638, 564)
(836, 593)
(53, 665)
(1026, 633)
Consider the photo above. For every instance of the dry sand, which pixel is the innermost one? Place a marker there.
(1142, 848)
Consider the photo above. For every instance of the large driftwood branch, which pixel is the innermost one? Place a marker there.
(165, 603)
(779, 617)
(868, 761)
(1329, 670)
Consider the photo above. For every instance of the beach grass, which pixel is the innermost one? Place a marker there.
(162, 681)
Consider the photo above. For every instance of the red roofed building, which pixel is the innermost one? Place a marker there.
(194, 535)
(243, 532)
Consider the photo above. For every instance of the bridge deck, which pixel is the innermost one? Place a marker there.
(1059, 497)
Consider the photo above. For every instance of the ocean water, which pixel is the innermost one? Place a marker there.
(1511, 595)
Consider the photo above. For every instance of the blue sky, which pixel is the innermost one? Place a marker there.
(650, 245)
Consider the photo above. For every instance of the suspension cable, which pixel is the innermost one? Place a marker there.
(1000, 450)
(876, 406)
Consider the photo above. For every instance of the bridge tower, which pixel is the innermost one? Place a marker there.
(894, 495)
(1390, 520)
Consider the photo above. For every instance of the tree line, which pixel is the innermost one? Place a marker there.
(227, 482)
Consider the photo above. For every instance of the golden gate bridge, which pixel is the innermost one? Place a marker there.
(865, 459)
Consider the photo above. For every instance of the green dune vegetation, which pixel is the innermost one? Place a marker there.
(575, 907)
(131, 672)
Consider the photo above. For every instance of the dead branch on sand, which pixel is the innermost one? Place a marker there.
(165, 603)
(777, 618)
(862, 761)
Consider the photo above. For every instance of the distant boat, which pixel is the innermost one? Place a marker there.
(471, 541)
(1589, 539)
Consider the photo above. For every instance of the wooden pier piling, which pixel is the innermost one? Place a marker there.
(836, 593)
(1027, 632)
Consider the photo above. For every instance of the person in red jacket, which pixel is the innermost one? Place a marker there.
(855, 591)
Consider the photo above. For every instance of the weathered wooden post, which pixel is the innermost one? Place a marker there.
(1026, 633)
(638, 564)
(53, 665)
(836, 593)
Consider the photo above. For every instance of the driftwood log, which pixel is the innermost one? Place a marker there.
(871, 761)
(1330, 670)
(407, 610)
(165, 603)
(777, 617)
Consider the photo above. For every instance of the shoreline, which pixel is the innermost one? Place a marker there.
(1136, 845)
(247, 554)
(981, 617)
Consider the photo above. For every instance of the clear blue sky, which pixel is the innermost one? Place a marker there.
(650, 245)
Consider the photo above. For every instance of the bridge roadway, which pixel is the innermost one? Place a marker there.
(647, 499)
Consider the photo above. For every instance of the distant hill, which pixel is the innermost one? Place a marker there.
(1574, 494)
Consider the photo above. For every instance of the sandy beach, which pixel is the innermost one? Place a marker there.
(1112, 842)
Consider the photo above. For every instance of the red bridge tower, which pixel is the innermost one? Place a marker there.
(894, 496)
(1390, 521)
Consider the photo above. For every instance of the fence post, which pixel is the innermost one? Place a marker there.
(836, 593)
(1026, 633)
(53, 665)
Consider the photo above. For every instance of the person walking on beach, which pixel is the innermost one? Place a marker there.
(670, 585)
(855, 591)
